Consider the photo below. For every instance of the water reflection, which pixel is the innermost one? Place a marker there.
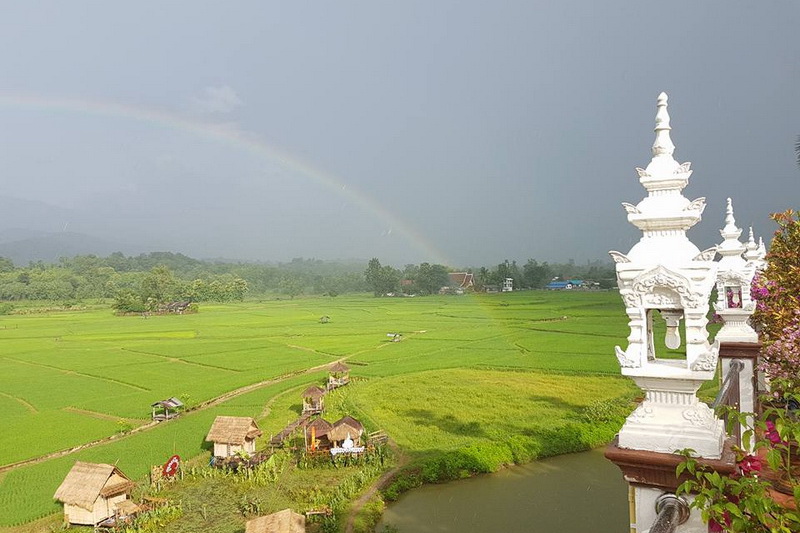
(568, 494)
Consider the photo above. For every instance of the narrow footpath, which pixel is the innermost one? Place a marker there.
(381, 482)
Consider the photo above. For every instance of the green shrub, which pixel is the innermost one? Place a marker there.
(606, 411)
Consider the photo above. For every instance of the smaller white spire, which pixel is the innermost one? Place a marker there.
(755, 253)
(731, 249)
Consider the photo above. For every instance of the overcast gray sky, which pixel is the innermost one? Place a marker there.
(452, 131)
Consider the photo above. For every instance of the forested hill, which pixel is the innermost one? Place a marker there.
(165, 276)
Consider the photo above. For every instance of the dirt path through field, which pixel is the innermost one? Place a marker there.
(21, 401)
(402, 460)
(144, 427)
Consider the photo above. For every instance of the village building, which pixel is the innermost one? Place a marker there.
(316, 435)
(286, 521)
(508, 285)
(345, 428)
(462, 280)
(166, 409)
(338, 375)
(233, 434)
(565, 285)
(313, 400)
(93, 492)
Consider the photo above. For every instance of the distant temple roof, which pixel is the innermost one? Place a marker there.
(461, 279)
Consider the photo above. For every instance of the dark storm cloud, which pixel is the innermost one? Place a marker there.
(469, 131)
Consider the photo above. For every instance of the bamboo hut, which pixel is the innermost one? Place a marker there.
(313, 400)
(338, 375)
(233, 434)
(344, 428)
(161, 409)
(316, 435)
(92, 493)
(286, 521)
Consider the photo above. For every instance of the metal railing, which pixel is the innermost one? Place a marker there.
(672, 511)
(729, 395)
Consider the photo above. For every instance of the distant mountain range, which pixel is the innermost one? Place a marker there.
(36, 231)
(49, 247)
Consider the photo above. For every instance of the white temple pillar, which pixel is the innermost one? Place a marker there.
(666, 277)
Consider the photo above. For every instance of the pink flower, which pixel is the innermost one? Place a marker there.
(750, 464)
(772, 434)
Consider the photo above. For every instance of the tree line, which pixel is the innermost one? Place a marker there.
(428, 279)
(144, 280)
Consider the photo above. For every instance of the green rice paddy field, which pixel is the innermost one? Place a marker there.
(469, 369)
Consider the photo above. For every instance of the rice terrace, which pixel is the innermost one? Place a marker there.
(475, 382)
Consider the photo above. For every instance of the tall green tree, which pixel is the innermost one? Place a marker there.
(381, 279)
(536, 275)
(431, 278)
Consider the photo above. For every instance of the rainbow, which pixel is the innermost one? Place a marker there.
(237, 139)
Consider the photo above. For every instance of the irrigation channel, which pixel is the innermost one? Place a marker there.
(571, 493)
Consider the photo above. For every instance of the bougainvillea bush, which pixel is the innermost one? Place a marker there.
(777, 315)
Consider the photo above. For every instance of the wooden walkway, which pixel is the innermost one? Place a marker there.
(277, 440)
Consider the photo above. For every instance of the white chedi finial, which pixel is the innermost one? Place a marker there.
(762, 250)
(730, 232)
(663, 143)
(751, 249)
(731, 248)
(729, 220)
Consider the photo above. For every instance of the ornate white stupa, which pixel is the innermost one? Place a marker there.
(756, 253)
(734, 276)
(665, 276)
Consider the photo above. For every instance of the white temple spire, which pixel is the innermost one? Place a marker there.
(663, 143)
(735, 274)
(731, 249)
(755, 253)
(665, 277)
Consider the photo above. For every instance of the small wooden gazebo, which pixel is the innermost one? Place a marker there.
(286, 521)
(233, 434)
(94, 492)
(338, 375)
(316, 435)
(161, 409)
(345, 427)
(313, 400)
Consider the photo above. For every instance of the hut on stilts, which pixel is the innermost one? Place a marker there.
(233, 434)
(166, 409)
(338, 375)
(93, 493)
(313, 400)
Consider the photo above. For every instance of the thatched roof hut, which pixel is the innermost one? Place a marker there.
(321, 427)
(346, 426)
(286, 521)
(231, 434)
(93, 492)
(314, 392)
(316, 434)
(338, 368)
(338, 375)
(313, 400)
